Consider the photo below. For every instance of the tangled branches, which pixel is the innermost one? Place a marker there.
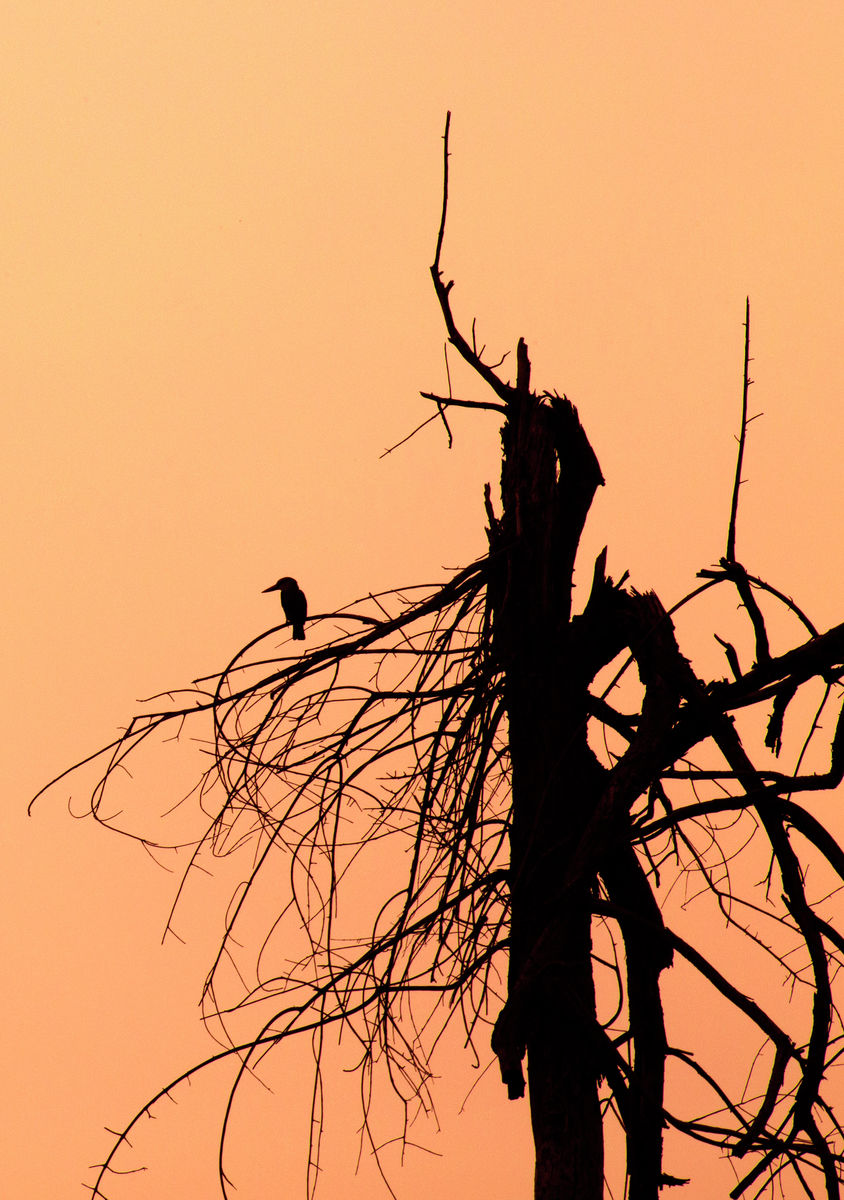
(394, 731)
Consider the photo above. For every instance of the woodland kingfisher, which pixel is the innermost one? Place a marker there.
(294, 604)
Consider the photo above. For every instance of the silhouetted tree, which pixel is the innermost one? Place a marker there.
(551, 832)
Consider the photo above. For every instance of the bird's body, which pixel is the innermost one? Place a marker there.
(294, 604)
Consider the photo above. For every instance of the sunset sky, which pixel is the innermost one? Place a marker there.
(218, 221)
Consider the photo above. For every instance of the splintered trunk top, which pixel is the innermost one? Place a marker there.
(549, 476)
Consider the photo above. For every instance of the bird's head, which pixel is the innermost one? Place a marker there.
(286, 584)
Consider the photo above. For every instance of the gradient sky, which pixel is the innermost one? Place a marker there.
(217, 225)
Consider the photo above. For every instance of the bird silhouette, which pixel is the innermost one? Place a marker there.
(294, 603)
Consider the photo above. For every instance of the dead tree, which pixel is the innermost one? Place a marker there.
(475, 723)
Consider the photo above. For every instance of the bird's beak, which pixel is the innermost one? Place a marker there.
(274, 588)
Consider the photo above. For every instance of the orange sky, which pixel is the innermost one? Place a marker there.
(217, 225)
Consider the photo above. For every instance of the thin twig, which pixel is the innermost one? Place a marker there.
(731, 534)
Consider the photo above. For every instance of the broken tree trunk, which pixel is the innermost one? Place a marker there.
(569, 821)
(549, 477)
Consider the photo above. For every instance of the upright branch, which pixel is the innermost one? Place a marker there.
(731, 568)
(731, 531)
(443, 291)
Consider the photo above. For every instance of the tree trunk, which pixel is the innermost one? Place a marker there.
(562, 1077)
(549, 477)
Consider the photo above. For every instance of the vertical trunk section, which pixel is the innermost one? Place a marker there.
(549, 477)
(562, 1075)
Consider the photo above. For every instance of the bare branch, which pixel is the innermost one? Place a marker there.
(746, 382)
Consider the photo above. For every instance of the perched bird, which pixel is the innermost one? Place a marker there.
(294, 604)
